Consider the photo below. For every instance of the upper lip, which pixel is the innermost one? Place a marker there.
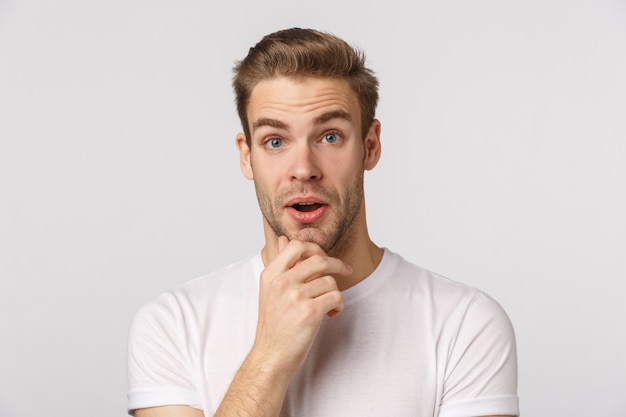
(305, 199)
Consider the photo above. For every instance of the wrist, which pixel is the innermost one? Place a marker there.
(269, 365)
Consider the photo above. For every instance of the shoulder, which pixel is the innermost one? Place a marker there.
(237, 280)
(443, 295)
(473, 336)
(232, 279)
(404, 273)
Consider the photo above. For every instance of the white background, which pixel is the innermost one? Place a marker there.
(504, 167)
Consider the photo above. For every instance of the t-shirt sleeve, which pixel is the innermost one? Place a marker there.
(481, 374)
(157, 363)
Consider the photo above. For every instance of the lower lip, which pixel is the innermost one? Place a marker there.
(308, 216)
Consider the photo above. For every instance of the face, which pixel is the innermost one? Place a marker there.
(307, 158)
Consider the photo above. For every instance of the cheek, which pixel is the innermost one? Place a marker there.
(346, 168)
(262, 170)
(267, 179)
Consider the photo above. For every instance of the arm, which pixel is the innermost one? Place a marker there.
(169, 411)
(482, 380)
(296, 291)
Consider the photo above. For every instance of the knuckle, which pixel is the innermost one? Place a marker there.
(310, 310)
(320, 261)
(279, 284)
(336, 296)
(330, 281)
(294, 296)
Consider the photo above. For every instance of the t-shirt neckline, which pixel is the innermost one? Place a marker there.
(362, 289)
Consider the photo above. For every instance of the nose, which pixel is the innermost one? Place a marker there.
(304, 164)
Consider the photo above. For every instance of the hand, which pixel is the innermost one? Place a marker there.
(297, 289)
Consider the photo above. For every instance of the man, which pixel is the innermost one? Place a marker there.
(322, 322)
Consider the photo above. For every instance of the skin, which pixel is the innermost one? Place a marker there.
(309, 165)
(306, 146)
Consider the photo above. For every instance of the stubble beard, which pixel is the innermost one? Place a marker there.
(336, 237)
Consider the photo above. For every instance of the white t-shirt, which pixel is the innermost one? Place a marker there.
(408, 343)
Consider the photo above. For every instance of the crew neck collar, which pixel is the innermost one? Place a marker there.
(360, 290)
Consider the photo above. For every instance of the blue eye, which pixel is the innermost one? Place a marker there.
(331, 138)
(275, 143)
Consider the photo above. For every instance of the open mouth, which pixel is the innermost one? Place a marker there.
(306, 207)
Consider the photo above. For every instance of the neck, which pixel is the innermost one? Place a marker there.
(361, 254)
(364, 256)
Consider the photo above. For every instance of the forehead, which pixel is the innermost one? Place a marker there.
(285, 97)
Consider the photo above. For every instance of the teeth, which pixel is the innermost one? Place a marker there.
(306, 204)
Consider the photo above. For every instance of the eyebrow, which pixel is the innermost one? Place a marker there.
(268, 122)
(335, 114)
(323, 118)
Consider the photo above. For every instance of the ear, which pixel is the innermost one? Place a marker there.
(372, 146)
(244, 156)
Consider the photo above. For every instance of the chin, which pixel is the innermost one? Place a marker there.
(310, 234)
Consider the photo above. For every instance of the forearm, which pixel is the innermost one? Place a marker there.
(258, 390)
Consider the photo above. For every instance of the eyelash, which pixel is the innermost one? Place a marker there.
(271, 139)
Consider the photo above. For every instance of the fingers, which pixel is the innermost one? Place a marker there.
(319, 286)
(293, 252)
(325, 290)
(306, 259)
(298, 288)
(305, 270)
